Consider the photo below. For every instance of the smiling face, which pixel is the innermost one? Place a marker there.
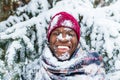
(63, 42)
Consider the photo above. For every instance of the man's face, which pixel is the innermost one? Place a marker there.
(63, 43)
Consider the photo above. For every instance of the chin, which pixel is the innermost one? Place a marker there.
(63, 57)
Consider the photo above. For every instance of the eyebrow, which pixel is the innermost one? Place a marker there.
(56, 30)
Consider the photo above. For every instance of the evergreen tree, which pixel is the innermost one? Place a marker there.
(23, 34)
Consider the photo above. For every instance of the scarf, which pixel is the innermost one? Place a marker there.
(64, 70)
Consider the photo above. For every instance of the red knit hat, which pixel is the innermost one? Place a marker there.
(65, 20)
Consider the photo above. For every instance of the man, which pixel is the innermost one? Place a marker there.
(62, 58)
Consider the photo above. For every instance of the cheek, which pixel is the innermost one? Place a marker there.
(74, 44)
(74, 41)
(52, 40)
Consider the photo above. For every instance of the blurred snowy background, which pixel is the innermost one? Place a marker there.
(23, 34)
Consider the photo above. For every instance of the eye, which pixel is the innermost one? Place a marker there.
(72, 34)
(55, 33)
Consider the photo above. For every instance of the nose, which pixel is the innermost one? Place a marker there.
(63, 37)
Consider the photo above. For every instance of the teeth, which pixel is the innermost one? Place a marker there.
(63, 47)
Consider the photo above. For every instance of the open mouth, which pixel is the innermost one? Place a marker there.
(63, 48)
(63, 52)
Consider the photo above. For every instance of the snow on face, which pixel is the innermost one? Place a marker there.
(60, 37)
(67, 37)
(64, 56)
(67, 29)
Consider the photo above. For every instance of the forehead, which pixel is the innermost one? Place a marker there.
(63, 29)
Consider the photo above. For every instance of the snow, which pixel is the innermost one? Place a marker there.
(64, 56)
(51, 59)
(67, 23)
(117, 62)
(54, 22)
(67, 37)
(24, 36)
